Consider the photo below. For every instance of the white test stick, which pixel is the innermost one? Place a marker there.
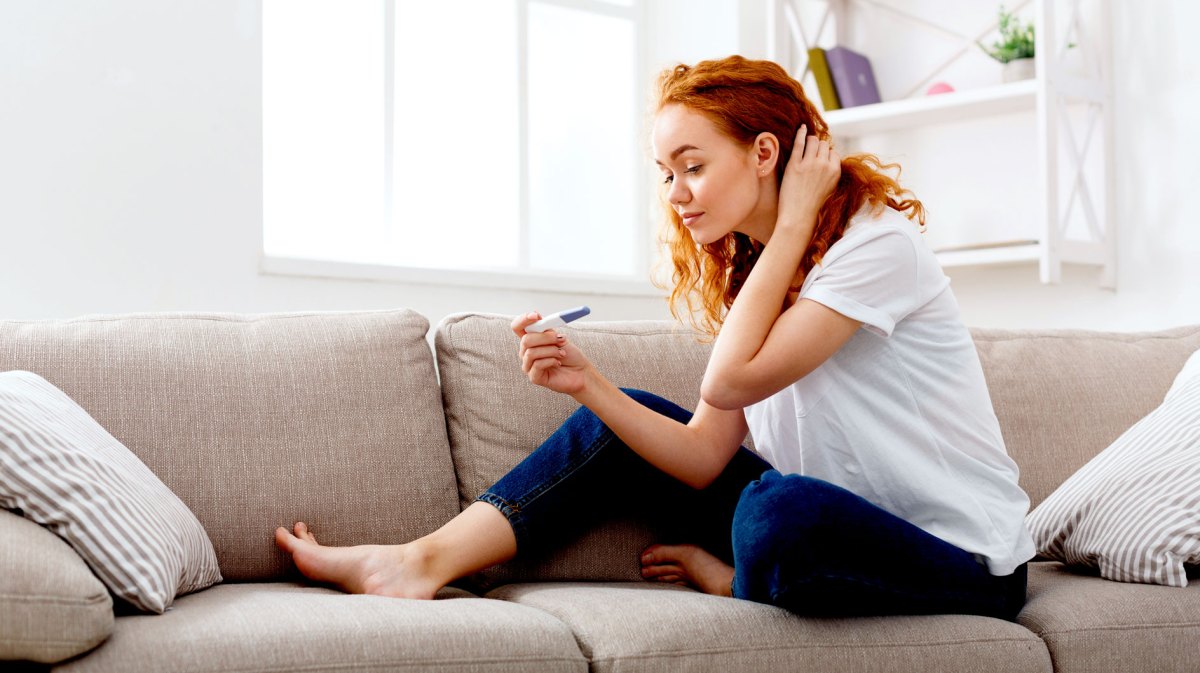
(558, 319)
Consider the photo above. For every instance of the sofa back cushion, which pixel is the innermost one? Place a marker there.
(1062, 396)
(256, 421)
(496, 417)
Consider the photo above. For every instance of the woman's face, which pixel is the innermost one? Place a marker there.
(711, 181)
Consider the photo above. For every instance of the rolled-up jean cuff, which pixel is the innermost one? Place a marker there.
(510, 512)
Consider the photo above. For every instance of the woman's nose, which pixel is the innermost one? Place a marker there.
(678, 193)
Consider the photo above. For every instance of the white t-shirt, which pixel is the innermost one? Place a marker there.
(900, 414)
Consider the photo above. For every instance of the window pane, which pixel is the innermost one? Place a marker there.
(582, 143)
(322, 128)
(457, 168)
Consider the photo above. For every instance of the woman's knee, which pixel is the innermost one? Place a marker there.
(777, 512)
(791, 496)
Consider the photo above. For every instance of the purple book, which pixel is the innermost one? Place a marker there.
(852, 75)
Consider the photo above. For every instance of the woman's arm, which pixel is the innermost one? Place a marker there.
(760, 350)
(695, 453)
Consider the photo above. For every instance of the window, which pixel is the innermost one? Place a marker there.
(472, 135)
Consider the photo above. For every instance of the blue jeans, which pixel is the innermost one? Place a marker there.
(795, 542)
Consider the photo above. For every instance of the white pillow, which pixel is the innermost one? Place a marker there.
(65, 472)
(1133, 511)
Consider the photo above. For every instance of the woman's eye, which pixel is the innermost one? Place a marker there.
(693, 169)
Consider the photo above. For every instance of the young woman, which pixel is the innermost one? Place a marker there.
(881, 483)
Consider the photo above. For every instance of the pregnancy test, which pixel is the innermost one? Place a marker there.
(558, 319)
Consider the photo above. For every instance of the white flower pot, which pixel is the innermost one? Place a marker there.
(1021, 68)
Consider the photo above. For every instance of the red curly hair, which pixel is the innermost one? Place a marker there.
(744, 98)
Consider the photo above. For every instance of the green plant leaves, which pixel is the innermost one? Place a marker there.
(1016, 39)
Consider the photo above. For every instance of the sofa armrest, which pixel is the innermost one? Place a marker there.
(51, 605)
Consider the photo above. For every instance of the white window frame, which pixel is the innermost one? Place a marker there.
(523, 277)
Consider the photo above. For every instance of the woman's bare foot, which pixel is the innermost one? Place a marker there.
(687, 565)
(400, 571)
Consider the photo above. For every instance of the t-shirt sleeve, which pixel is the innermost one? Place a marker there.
(874, 280)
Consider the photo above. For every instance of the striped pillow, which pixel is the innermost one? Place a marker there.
(65, 472)
(1133, 511)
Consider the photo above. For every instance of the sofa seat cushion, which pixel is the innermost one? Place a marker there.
(655, 627)
(290, 627)
(257, 421)
(1096, 625)
(51, 605)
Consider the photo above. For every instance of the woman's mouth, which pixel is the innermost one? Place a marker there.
(690, 219)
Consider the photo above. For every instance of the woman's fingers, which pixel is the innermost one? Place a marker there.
(534, 355)
(540, 366)
(539, 339)
(522, 321)
(812, 145)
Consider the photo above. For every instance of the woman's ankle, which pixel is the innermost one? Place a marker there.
(478, 538)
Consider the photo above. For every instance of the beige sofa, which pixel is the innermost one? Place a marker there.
(337, 419)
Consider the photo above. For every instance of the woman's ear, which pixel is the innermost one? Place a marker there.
(766, 153)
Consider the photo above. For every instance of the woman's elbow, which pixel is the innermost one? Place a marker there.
(720, 395)
(702, 476)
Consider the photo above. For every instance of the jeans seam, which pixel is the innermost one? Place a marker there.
(512, 509)
(587, 454)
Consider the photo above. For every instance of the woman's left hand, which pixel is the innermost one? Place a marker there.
(809, 178)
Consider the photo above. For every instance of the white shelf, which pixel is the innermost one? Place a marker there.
(1059, 89)
(996, 253)
(936, 109)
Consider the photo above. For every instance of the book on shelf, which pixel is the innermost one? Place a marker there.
(820, 70)
(852, 77)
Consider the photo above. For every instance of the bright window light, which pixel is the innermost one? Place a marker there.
(582, 142)
(457, 185)
(426, 143)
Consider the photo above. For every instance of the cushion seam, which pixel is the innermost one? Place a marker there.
(469, 440)
(593, 327)
(402, 664)
(857, 646)
(246, 318)
(58, 600)
(1121, 337)
(1123, 627)
(48, 641)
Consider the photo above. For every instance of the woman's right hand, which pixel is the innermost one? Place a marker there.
(549, 360)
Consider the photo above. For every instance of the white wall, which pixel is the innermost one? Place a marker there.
(1157, 90)
(130, 173)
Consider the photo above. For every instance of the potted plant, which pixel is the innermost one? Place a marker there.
(1014, 49)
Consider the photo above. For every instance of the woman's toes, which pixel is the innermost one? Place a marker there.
(661, 570)
(653, 554)
(304, 533)
(283, 539)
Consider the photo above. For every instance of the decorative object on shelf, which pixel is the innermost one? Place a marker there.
(1014, 49)
(938, 87)
(820, 70)
(1015, 71)
(852, 77)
